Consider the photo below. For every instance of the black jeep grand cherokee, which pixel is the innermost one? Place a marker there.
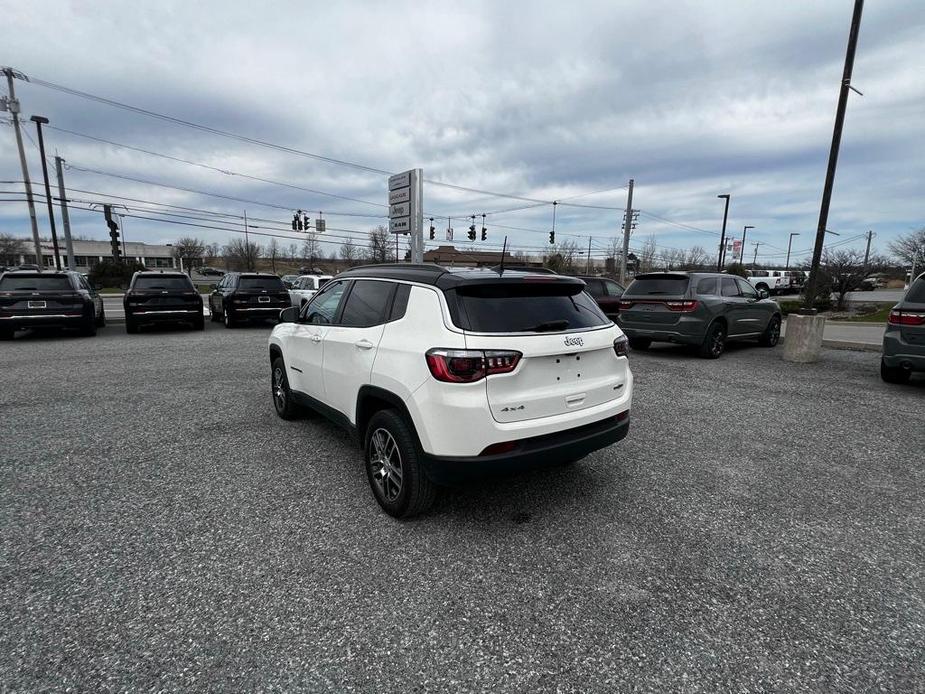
(162, 297)
(31, 299)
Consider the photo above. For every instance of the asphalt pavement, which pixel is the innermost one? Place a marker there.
(761, 529)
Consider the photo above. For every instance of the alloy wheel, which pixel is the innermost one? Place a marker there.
(385, 461)
(279, 390)
(717, 341)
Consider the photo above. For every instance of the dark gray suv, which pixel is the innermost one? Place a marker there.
(699, 309)
(904, 339)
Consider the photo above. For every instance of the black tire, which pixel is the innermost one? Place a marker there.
(411, 492)
(6, 334)
(101, 321)
(640, 343)
(199, 323)
(714, 342)
(213, 314)
(131, 327)
(283, 403)
(894, 374)
(771, 335)
(88, 329)
(230, 322)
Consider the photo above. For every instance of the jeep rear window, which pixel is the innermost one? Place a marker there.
(174, 282)
(36, 283)
(916, 293)
(514, 308)
(271, 284)
(648, 286)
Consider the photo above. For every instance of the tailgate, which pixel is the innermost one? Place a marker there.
(34, 304)
(558, 373)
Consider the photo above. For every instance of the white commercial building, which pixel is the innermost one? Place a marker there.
(89, 253)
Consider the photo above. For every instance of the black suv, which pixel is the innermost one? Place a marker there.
(162, 297)
(30, 299)
(244, 296)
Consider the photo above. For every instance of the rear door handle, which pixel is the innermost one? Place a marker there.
(364, 344)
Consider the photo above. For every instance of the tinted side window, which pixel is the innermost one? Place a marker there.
(595, 287)
(400, 302)
(613, 289)
(747, 289)
(323, 308)
(367, 303)
(916, 293)
(729, 287)
(707, 286)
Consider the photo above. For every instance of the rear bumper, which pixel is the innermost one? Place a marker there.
(164, 315)
(39, 320)
(899, 353)
(678, 337)
(531, 453)
(246, 312)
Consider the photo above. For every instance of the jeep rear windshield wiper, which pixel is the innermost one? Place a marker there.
(549, 326)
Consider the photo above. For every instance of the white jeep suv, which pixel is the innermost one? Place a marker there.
(444, 374)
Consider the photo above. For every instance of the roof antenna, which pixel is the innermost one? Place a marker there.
(503, 249)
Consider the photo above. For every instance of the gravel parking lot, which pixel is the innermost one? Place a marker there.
(761, 529)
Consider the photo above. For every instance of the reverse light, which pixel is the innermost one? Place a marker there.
(898, 317)
(469, 365)
(621, 347)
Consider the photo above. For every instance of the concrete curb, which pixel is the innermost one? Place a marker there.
(854, 346)
(863, 324)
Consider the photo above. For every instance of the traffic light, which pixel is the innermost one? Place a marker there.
(472, 233)
(552, 237)
(113, 232)
(295, 222)
(433, 230)
(484, 233)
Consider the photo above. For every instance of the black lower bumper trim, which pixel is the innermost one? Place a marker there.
(537, 452)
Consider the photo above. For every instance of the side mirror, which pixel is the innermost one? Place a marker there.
(763, 294)
(289, 315)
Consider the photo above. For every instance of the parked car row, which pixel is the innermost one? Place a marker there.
(62, 299)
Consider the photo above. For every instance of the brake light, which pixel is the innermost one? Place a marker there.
(469, 365)
(498, 448)
(621, 347)
(906, 318)
(626, 305)
(681, 306)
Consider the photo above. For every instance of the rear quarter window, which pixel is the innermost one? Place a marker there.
(707, 287)
(916, 293)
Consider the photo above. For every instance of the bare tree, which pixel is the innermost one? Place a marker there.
(563, 257)
(380, 248)
(349, 253)
(211, 252)
(292, 252)
(311, 250)
(842, 273)
(11, 247)
(647, 255)
(696, 258)
(188, 251)
(273, 252)
(241, 256)
(910, 248)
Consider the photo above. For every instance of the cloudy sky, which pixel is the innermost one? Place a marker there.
(539, 100)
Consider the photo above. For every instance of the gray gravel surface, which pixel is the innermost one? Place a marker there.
(761, 529)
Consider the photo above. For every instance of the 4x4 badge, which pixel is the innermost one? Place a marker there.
(512, 409)
(576, 341)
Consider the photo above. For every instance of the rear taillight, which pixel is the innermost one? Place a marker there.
(906, 318)
(681, 306)
(469, 365)
(499, 448)
(626, 305)
(621, 347)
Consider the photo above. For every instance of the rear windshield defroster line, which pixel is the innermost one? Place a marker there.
(504, 308)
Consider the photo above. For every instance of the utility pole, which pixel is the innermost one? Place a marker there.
(722, 237)
(810, 292)
(870, 235)
(14, 111)
(789, 244)
(247, 246)
(589, 256)
(755, 259)
(68, 244)
(627, 228)
(742, 251)
(39, 122)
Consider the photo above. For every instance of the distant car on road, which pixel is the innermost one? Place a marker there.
(248, 296)
(699, 309)
(305, 287)
(161, 297)
(771, 281)
(31, 299)
(904, 339)
(207, 271)
(606, 293)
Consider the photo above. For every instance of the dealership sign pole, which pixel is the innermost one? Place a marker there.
(406, 209)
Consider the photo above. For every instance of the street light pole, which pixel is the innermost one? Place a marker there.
(789, 244)
(722, 237)
(810, 294)
(39, 121)
(742, 251)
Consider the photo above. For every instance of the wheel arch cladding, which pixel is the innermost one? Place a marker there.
(372, 399)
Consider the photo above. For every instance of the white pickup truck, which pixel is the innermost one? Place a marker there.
(772, 281)
(304, 288)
